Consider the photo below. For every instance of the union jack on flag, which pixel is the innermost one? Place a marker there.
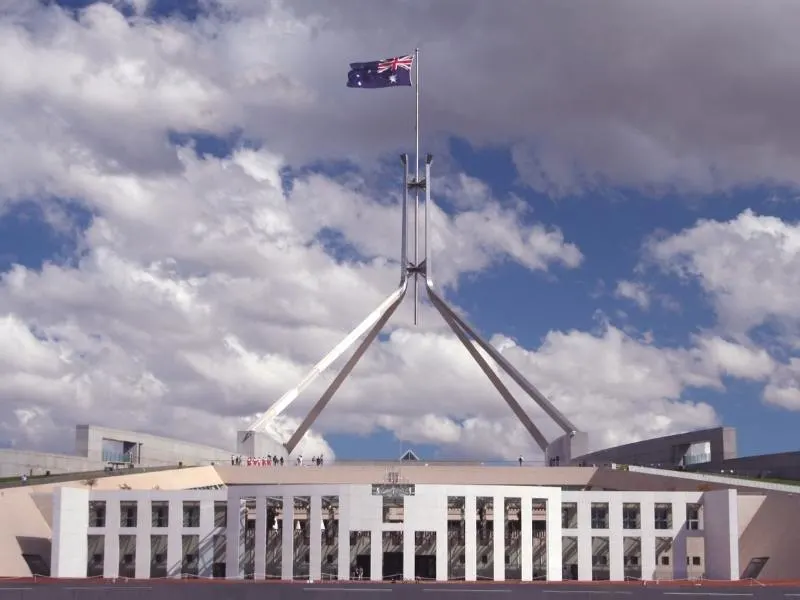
(399, 62)
(389, 72)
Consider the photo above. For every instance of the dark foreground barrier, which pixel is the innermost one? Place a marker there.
(27, 589)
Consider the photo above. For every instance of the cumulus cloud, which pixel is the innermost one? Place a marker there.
(633, 291)
(629, 101)
(205, 287)
(747, 266)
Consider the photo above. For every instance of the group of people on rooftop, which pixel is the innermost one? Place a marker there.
(272, 461)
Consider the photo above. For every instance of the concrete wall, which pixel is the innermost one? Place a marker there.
(660, 451)
(14, 463)
(784, 465)
(155, 450)
(773, 532)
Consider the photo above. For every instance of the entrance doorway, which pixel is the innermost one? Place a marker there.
(425, 567)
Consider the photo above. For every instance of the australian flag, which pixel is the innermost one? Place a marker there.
(390, 72)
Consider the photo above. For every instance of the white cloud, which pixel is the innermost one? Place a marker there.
(634, 291)
(202, 292)
(747, 266)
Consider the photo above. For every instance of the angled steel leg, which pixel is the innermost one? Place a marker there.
(315, 411)
(284, 401)
(523, 417)
(518, 377)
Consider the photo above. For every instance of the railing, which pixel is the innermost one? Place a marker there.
(117, 457)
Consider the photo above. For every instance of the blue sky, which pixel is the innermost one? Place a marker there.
(204, 282)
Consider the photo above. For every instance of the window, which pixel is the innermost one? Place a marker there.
(160, 514)
(127, 514)
(663, 515)
(220, 514)
(97, 513)
(191, 513)
(696, 561)
(754, 567)
(599, 515)
(693, 517)
(665, 561)
(631, 516)
(569, 515)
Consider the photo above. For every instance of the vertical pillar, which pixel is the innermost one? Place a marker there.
(616, 550)
(376, 554)
(647, 524)
(526, 527)
(287, 539)
(470, 538)
(69, 554)
(111, 540)
(442, 562)
(206, 550)
(315, 539)
(233, 537)
(260, 550)
(409, 552)
(678, 534)
(584, 539)
(344, 535)
(174, 536)
(499, 537)
(721, 534)
(554, 541)
(143, 529)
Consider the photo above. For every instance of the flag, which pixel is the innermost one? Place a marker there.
(391, 72)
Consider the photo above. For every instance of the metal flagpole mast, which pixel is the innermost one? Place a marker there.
(416, 181)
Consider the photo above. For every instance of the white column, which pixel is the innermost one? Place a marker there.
(344, 535)
(678, 534)
(111, 540)
(442, 547)
(287, 540)
(315, 539)
(260, 556)
(376, 554)
(174, 536)
(584, 539)
(616, 549)
(526, 526)
(721, 534)
(206, 534)
(233, 537)
(499, 538)
(143, 531)
(470, 538)
(69, 554)
(555, 551)
(648, 536)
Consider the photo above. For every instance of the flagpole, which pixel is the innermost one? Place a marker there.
(416, 181)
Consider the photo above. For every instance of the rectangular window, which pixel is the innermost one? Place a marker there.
(663, 515)
(220, 514)
(599, 515)
(693, 516)
(97, 513)
(160, 513)
(127, 514)
(569, 515)
(631, 516)
(191, 513)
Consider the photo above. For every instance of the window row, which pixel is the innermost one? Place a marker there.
(159, 513)
(631, 515)
(187, 563)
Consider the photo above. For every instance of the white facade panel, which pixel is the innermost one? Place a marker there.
(70, 529)
(424, 511)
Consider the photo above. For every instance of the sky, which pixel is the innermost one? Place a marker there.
(194, 209)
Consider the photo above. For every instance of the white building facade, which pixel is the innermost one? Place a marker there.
(396, 530)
